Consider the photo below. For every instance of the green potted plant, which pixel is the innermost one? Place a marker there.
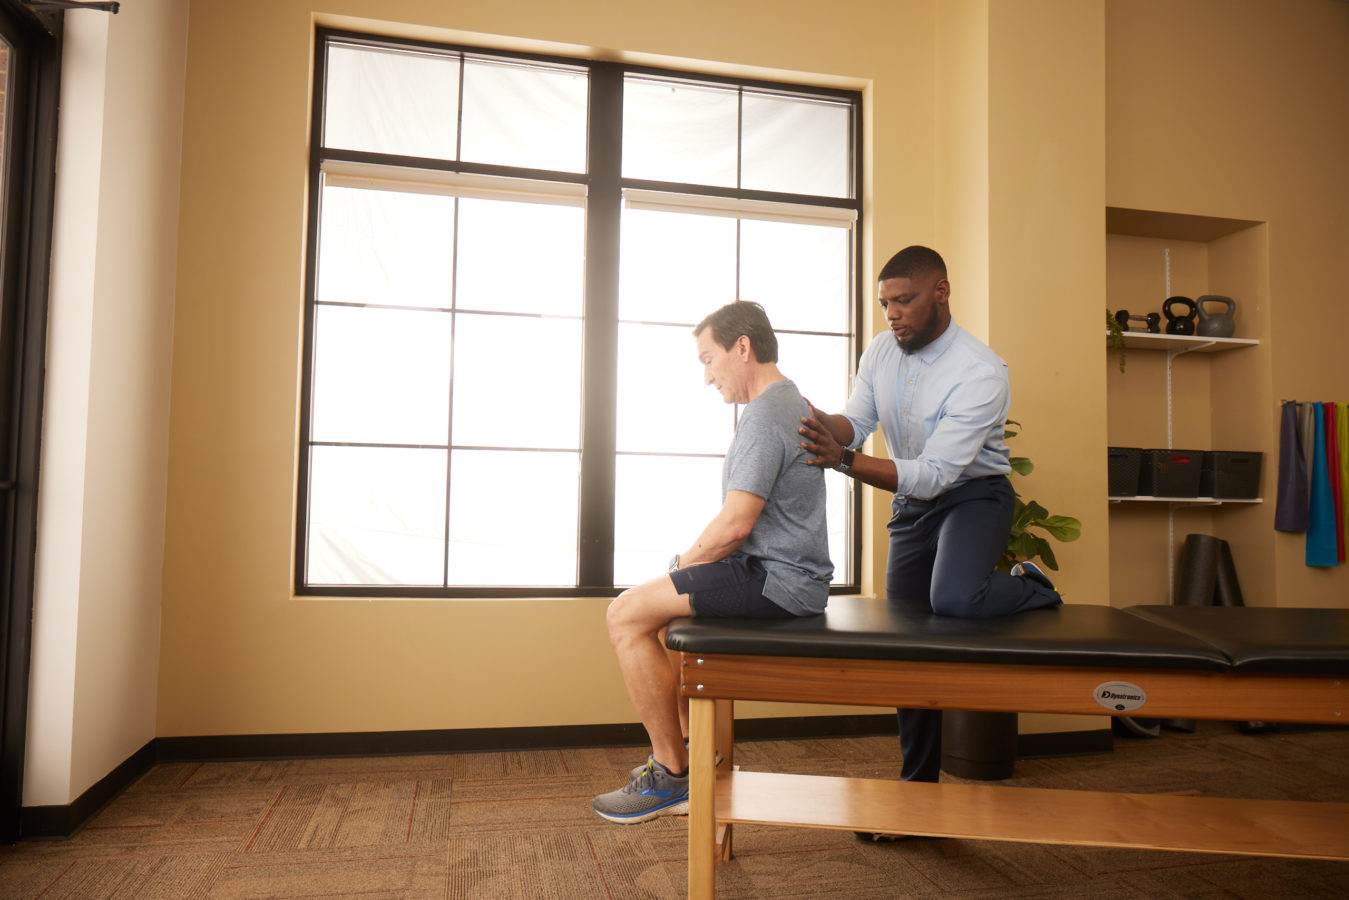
(1025, 543)
(1114, 332)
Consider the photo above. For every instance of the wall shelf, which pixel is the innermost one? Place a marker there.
(1184, 343)
(1187, 501)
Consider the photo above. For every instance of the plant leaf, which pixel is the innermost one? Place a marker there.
(1021, 465)
(1025, 546)
(1064, 528)
(1034, 513)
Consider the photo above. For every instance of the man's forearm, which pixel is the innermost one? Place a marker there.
(715, 543)
(877, 472)
(727, 530)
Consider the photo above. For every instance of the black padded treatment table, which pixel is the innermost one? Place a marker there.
(1228, 663)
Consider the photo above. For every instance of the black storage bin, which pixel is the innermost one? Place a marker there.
(1170, 473)
(1230, 474)
(1122, 465)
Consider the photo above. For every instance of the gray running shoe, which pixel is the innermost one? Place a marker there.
(1028, 569)
(650, 792)
(638, 769)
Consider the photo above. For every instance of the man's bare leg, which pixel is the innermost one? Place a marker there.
(636, 619)
(676, 666)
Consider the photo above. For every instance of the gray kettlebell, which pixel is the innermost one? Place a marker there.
(1216, 324)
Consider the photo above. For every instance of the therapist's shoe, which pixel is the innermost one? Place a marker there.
(652, 791)
(1028, 569)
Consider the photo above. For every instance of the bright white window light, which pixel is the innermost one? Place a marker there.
(464, 338)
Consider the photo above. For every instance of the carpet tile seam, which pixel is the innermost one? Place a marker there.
(54, 881)
(265, 818)
(598, 865)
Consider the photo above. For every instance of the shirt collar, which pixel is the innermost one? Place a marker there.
(933, 351)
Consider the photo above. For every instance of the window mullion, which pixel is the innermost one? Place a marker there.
(600, 374)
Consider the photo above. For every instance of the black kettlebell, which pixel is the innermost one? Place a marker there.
(1179, 324)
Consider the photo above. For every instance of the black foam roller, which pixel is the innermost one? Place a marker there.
(1198, 570)
(1227, 588)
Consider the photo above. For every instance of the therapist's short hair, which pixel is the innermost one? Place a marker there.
(912, 262)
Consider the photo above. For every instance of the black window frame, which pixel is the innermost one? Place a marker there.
(605, 185)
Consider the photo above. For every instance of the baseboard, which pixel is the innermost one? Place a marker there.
(393, 743)
(44, 822)
(47, 822)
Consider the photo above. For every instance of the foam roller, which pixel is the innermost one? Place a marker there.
(1199, 570)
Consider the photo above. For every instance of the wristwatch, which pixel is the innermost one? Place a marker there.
(845, 459)
(674, 563)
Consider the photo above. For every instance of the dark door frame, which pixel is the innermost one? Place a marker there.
(30, 178)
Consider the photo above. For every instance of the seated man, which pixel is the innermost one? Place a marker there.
(765, 554)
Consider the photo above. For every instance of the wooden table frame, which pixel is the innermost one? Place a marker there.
(717, 799)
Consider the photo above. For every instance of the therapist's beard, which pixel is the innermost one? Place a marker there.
(920, 339)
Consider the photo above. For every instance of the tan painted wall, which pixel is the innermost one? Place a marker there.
(1046, 214)
(241, 654)
(960, 138)
(1234, 108)
(1067, 131)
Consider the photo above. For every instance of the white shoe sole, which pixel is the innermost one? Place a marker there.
(674, 809)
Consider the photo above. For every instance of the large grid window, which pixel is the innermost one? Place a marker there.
(507, 257)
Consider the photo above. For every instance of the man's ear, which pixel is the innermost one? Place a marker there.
(943, 290)
(743, 347)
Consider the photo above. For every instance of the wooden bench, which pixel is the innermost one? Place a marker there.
(1239, 664)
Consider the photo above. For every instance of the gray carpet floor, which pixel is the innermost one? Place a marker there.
(519, 825)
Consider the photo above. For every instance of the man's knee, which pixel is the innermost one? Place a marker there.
(948, 603)
(632, 613)
(618, 617)
(959, 592)
(962, 601)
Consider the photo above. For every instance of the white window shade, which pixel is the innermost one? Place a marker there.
(342, 173)
(766, 210)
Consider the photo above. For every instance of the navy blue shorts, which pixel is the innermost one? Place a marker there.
(729, 588)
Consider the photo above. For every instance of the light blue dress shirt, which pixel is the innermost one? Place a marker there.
(942, 409)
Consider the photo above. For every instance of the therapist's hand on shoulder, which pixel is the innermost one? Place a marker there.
(819, 441)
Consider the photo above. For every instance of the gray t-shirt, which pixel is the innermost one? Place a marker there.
(790, 537)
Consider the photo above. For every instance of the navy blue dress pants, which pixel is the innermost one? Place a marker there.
(942, 553)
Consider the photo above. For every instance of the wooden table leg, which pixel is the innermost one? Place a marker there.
(725, 743)
(702, 798)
